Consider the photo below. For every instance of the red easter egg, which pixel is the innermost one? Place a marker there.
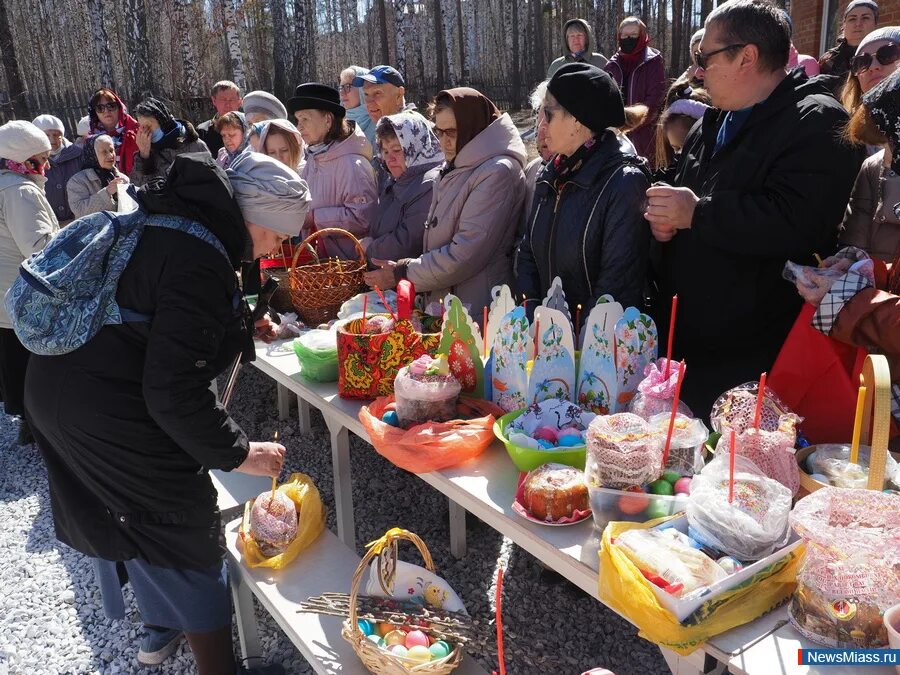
(633, 504)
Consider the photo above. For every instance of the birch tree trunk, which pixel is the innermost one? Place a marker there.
(189, 81)
(440, 48)
(383, 25)
(232, 37)
(400, 16)
(11, 68)
(280, 49)
(100, 41)
(304, 66)
(138, 59)
(448, 19)
(516, 97)
(471, 31)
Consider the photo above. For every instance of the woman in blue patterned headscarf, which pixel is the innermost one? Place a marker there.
(411, 153)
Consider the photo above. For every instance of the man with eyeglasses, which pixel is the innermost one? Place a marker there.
(763, 178)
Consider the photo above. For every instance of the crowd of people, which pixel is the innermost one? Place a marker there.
(643, 187)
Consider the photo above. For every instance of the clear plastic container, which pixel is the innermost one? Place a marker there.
(686, 447)
(636, 507)
(420, 401)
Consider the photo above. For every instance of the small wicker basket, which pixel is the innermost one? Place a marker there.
(375, 659)
(319, 288)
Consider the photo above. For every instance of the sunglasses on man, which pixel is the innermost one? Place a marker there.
(885, 55)
(702, 59)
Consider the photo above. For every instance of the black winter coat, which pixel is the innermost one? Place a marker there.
(127, 424)
(208, 134)
(776, 192)
(592, 234)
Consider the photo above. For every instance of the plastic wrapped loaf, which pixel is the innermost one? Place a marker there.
(849, 575)
(771, 451)
(622, 451)
(736, 408)
(667, 554)
(656, 392)
(686, 447)
(273, 523)
(832, 460)
(752, 526)
(425, 391)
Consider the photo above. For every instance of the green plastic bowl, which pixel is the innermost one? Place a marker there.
(527, 459)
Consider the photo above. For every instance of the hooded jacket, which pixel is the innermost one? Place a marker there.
(27, 224)
(127, 457)
(342, 186)
(588, 56)
(63, 166)
(471, 225)
(399, 224)
(646, 86)
(776, 192)
(591, 233)
(159, 161)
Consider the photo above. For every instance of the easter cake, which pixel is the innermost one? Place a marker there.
(425, 392)
(554, 491)
(273, 522)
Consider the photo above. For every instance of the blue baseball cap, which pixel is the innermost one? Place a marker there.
(380, 75)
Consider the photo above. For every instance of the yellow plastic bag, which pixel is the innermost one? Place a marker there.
(624, 589)
(311, 514)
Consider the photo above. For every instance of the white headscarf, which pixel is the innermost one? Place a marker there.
(420, 145)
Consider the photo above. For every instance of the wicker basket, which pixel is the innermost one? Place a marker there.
(876, 377)
(319, 288)
(375, 659)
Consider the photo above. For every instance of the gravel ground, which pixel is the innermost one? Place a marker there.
(51, 620)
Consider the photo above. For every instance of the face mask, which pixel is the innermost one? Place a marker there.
(627, 45)
(157, 135)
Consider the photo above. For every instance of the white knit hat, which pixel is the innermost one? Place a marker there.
(84, 126)
(21, 140)
(264, 102)
(891, 33)
(49, 123)
(270, 194)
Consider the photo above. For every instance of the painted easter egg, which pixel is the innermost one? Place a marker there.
(661, 487)
(683, 486)
(439, 650)
(671, 476)
(416, 638)
(658, 508)
(395, 637)
(633, 504)
(390, 417)
(365, 626)
(419, 654)
(546, 433)
(570, 441)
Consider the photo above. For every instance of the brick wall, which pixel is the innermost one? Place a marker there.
(807, 18)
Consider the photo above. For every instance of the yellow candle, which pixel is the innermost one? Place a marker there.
(857, 425)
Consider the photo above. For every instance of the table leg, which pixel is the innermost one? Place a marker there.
(303, 409)
(457, 529)
(245, 615)
(343, 485)
(697, 663)
(284, 401)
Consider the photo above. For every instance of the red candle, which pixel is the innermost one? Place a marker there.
(484, 331)
(671, 333)
(731, 469)
(577, 323)
(760, 395)
(537, 338)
